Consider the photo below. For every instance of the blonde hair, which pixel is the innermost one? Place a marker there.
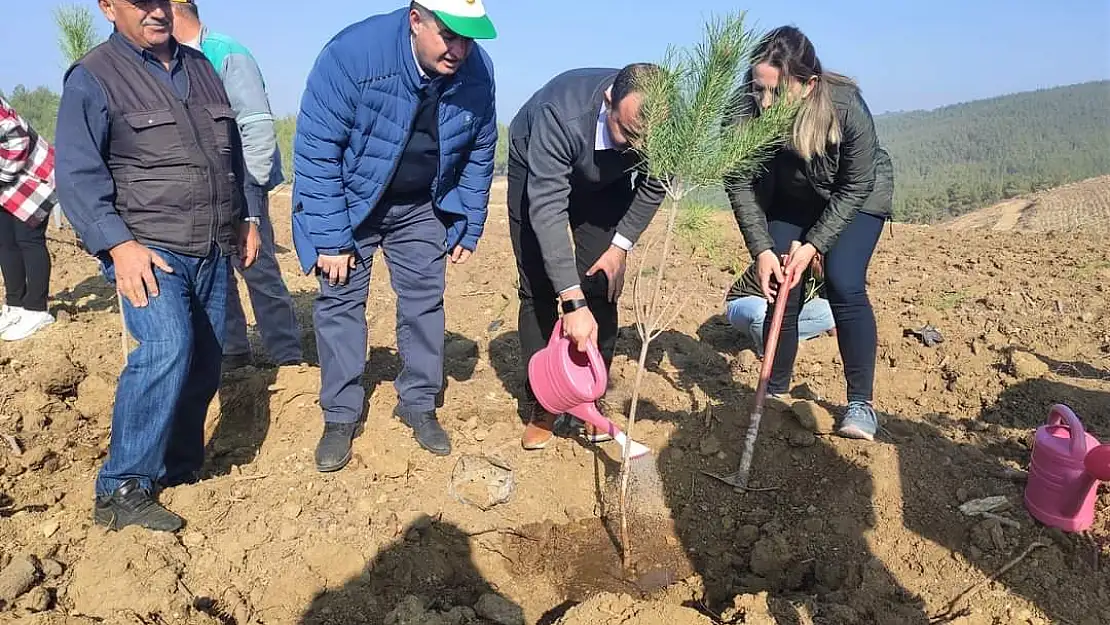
(817, 125)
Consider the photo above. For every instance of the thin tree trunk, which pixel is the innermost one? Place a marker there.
(626, 539)
(648, 325)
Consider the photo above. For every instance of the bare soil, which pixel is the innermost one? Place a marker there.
(852, 532)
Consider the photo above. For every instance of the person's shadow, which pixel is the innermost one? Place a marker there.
(427, 574)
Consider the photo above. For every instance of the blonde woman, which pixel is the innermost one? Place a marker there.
(828, 192)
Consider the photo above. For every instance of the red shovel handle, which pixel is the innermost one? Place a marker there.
(773, 338)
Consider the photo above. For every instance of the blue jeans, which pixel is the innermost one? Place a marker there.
(414, 241)
(270, 299)
(748, 313)
(171, 377)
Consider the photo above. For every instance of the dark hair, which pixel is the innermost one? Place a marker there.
(419, 8)
(817, 125)
(629, 80)
(188, 8)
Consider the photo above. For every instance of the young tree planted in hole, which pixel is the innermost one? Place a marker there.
(694, 135)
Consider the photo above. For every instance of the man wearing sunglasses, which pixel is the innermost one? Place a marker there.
(394, 150)
(572, 163)
(149, 165)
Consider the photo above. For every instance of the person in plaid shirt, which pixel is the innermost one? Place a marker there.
(26, 198)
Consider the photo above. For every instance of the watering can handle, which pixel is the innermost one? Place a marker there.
(597, 363)
(1061, 414)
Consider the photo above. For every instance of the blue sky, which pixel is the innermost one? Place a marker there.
(907, 54)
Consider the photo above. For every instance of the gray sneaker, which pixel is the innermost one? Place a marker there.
(860, 421)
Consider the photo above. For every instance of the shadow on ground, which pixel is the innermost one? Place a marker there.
(428, 575)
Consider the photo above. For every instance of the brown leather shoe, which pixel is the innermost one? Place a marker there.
(538, 433)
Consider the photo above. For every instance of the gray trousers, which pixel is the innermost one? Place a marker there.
(414, 243)
(270, 299)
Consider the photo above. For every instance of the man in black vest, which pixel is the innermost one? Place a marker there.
(148, 167)
(571, 164)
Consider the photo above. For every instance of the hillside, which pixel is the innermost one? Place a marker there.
(1078, 207)
(845, 532)
(958, 158)
(947, 161)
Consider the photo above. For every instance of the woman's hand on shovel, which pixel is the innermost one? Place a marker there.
(768, 265)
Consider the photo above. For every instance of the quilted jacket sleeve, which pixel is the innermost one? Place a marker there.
(324, 125)
(477, 172)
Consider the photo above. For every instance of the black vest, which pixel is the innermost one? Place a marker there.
(173, 161)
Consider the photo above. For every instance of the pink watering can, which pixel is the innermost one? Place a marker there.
(564, 379)
(1065, 469)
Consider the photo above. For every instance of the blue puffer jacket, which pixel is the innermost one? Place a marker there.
(358, 108)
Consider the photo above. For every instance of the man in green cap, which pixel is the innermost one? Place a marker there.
(394, 149)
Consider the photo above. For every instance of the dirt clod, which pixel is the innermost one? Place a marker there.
(17, 578)
(813, 417)
(500, 610)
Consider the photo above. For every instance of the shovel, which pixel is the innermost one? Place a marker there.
(739, 479)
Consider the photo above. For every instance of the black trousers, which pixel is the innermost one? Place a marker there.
(593, 222)
(24, 262)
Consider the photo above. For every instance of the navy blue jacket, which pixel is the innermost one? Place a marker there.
(356, 114)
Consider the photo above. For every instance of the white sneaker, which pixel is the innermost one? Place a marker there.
(9, 315)
(28, 322)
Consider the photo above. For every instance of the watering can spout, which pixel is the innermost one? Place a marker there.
(590, 414)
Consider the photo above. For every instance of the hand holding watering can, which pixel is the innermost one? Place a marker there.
(564, 379)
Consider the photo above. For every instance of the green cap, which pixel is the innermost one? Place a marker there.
(464, 17)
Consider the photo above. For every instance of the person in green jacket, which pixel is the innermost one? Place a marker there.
(246, 90)
(746, 307)
(828, 191)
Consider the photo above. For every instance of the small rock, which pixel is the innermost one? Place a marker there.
(37, 600)
(52, 568)
(500, 610)
(710, 445)
(801, 439)
(288, 532)
(17, 578)
(291, 510)
(50, 528)
(392, 465)
(1026, 366)
(36, 457)
(746, 360)
(813, 417)
(747, 535)
(192, 539)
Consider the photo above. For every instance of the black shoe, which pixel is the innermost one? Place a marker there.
(333, 452)
(132, 504)
(426, 429)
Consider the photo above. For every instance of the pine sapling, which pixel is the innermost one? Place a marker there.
(697, 131)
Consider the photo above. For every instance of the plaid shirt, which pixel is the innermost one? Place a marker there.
(26, 169)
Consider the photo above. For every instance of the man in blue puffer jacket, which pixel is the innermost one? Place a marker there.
(394, 149)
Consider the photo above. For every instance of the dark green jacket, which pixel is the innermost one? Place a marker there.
(747, 285)
(851, 177)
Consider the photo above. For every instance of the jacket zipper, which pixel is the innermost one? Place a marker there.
(212, 187)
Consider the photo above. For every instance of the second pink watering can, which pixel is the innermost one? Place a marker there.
(1065, 469)
(564, 379)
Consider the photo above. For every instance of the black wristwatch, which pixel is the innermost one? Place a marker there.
(572, 305)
